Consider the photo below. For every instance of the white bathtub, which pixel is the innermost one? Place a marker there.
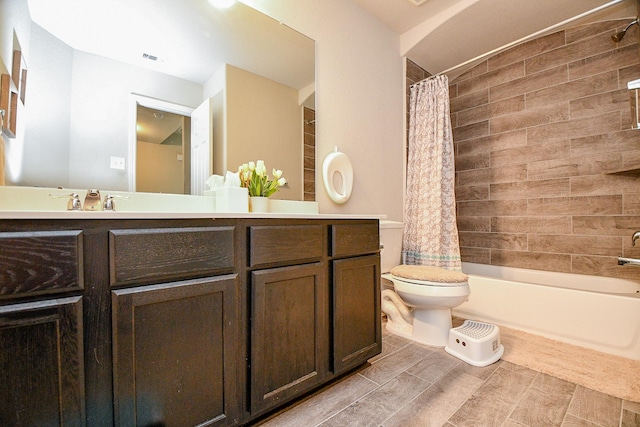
(599, 313)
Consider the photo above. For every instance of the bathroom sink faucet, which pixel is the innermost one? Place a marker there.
(73, 204)
(92, 201)
(635, 237)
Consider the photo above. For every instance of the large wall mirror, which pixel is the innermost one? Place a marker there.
(90, 62)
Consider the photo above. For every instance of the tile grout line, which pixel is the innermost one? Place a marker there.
(515, 406)
(573, 396)
(379, 385)
(471, 396)
(621, 415)
(432, 383)
(351, 403)
(407, 403)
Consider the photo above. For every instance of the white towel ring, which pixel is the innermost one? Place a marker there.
(337, 169)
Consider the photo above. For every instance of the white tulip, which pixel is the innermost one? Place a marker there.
(261, 169)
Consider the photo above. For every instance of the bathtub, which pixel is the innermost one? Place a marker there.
(599, 313)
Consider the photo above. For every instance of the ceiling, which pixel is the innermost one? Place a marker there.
(437, 35)
(189, 39)
(158, 127)
(442, 34)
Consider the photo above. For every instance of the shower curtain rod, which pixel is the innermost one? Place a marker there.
(531, 36)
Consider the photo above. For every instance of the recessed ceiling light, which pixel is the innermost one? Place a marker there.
(417, 2)
(222, 4)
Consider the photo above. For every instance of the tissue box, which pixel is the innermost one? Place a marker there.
(230, 199)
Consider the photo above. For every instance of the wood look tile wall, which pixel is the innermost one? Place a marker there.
(309, 155)
(534, 129)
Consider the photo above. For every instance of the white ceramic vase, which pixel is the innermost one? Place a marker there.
(259, 204)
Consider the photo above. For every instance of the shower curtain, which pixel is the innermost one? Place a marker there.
(431, 233)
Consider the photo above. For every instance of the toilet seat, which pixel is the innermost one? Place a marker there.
(336, 165)
(428, 283)
(425, 275)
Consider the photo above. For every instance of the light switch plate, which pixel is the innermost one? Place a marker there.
(117, 163)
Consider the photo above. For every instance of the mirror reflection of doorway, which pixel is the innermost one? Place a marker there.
(162, 151)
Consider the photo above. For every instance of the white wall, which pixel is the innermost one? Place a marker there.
(101, 115)
(47, 106)
(158, 169)
(360, 98)
(14, 16)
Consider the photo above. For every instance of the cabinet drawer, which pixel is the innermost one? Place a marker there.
(354, 239)
(152, 255)
(274, 244)
(40, 262)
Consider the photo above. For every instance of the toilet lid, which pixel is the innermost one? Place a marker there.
(428, 275)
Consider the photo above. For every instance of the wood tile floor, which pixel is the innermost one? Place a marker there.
(414, 385)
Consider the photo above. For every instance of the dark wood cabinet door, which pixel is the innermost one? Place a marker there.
(174, 353)
(41, 363)
(288, 334)
(356, 319)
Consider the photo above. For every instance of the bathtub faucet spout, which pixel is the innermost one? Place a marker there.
(635, 237)
(629, 261)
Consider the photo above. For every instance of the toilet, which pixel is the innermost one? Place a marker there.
(417, 299)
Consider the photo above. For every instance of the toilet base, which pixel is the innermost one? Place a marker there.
(404, 330)
(430, 327)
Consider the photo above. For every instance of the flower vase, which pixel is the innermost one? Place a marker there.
(258, 204)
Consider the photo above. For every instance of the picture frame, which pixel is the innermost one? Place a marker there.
(9, 105)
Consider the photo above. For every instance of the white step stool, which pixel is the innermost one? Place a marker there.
(476, 343)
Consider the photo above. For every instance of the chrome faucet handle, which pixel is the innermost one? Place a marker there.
(92, 201)
(73, 204)
(635, 237)
(109, 203)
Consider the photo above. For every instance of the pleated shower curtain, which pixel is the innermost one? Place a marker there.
(431, 233)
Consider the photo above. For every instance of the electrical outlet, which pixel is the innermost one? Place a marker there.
(117, 163)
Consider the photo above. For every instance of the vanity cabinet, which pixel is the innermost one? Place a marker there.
(41, 331)
(315, 314)
(288, 312)
(180, 321)
(355, 282)
(174, 342)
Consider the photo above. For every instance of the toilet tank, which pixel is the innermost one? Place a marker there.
(391, 244)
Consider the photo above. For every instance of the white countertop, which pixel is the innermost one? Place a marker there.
(50, 203)
(172, 215)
